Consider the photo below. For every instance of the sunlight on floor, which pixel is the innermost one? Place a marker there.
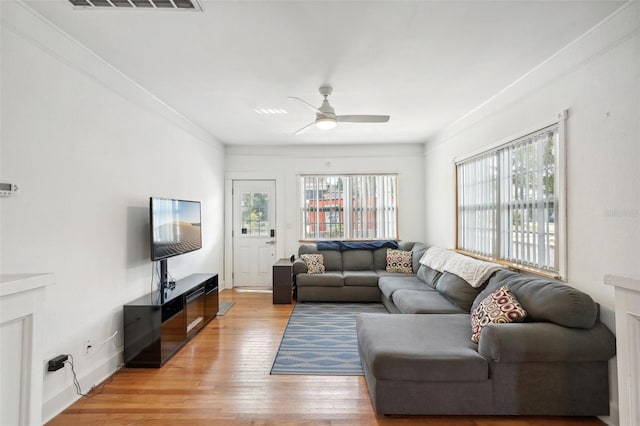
(253, 289)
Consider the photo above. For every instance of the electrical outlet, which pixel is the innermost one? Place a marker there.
(88, 348)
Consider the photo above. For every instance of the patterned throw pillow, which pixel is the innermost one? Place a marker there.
(315, 263)
(501, 306)
(399, 261)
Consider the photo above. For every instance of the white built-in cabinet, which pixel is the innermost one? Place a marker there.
(627, 300)
(21, 363)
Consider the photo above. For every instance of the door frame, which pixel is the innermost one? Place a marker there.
(229, 178)
(263, 245)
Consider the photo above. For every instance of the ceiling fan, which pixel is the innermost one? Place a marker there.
(326, 117)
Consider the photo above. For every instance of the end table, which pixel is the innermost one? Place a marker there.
(283, 281)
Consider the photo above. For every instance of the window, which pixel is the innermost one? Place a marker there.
(255, 214)
(354, 207)
(508, 202)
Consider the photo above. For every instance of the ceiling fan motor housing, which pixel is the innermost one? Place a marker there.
(326, 119)
(326, 109)
(325, 91)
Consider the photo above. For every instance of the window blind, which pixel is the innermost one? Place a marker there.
(358, 207)
(507, 203)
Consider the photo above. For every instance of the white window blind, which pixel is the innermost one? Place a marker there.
(508, 204)
(355, 207)
(478, 204)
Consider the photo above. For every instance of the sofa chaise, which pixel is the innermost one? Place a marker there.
(423, 361)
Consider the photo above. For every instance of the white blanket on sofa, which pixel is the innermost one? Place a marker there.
(473, 271)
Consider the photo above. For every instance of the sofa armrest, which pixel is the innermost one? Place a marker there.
(299, 267)
(545, 342)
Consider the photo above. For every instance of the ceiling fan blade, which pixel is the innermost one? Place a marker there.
(363, 118)
(300, 131)
(306, 103)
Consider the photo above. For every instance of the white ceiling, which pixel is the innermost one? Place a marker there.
(425, 63)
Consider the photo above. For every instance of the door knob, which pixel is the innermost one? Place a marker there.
(270, 242)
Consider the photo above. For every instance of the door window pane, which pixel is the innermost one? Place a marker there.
(255, 214)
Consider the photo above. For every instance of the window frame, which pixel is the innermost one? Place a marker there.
(347, 208)
(560, 221)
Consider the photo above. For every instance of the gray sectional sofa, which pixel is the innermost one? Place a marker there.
(350, 276)
(424, 362)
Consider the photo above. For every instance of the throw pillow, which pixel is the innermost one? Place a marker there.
(501, 306)
(315, 263)
(399, 261)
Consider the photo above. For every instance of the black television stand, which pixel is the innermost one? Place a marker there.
(158, 324)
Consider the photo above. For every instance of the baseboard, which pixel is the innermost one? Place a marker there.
(67, 396)
(222, 285)
(613, 419)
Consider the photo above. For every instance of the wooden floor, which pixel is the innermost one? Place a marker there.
(222, 377)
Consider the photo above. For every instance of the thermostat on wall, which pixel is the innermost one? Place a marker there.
(8, 189)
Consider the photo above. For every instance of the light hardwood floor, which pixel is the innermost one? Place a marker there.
(222, 377)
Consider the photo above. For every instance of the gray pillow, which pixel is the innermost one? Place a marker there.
(428, 275)
(418, 250)
(457, 290)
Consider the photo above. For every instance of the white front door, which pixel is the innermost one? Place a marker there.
(254, 242)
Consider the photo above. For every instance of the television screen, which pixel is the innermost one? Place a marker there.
(175, 227)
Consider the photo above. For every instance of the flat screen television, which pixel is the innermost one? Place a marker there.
(176, 227)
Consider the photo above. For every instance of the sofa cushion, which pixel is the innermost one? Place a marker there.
(314, 262)
(456, 290)
(380, 259)
(357, 260)
(418, 250)
(389, 284)
(328, 279)
(545, 299)
(332, 258)
(416, 348)
(500, 307)
(424, 302)
(384, 273)
(399, 261)
(428, 275)
(360, 278)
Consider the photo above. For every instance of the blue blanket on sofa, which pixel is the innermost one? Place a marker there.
(356, 245)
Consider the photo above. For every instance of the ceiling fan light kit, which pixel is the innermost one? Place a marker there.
(326, 123)
(326, 118)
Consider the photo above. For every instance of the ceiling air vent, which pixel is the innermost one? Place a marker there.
(138, 4)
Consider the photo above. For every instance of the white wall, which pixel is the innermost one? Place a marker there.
(597, 79)
(1, 175)
(284, 164)
(88, 148)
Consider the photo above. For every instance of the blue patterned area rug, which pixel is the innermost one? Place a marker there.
(321, 339)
